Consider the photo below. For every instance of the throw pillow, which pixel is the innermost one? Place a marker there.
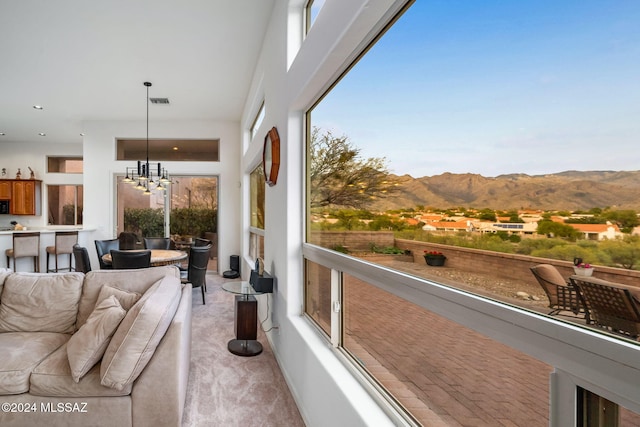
(139, 334)
(33, 302)
(125, 298)
(86, 347)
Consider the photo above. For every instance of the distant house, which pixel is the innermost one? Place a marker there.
(411, 221)
(598, 231)
(518, 228)
(528, 215)
(430, 218)
(448, 226)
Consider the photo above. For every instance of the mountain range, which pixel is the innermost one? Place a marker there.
(569, 190)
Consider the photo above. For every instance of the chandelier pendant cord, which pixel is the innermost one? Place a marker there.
(144, 177)
(147, 84)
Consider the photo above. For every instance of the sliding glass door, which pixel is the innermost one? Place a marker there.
(187, 210)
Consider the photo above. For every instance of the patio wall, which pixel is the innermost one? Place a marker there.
(353, 240)
(509, 266)
(502, 265)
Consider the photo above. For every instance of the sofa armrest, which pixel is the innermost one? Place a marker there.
(158, 394)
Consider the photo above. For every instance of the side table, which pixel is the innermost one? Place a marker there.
(246, 319)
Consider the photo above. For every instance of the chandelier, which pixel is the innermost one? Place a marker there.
(142, 177)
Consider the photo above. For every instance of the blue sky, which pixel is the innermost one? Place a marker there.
(495, 87)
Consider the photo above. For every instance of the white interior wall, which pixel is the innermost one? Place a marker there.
(101, 167)
(326, 393)
(34, 155)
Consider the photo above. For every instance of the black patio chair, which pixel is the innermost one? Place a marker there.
(562, 295)
(611, 306)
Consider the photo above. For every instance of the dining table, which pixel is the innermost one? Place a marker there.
(159, 257)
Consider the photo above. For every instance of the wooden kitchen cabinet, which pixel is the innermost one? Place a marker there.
(5, 190)
(25, 197)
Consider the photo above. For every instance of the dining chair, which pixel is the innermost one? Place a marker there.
(63, 245)
(81, 256)
(104, 247)
(130, 259)
(25, 245)
(197, 270)
(201, 242)
(128, 241)
(157, 243)
(204, 242)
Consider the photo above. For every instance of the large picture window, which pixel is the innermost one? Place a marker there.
(490, 135)
(257, 195)
(466, 144)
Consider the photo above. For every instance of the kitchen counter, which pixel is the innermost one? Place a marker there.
(48, 229)
(47, 238)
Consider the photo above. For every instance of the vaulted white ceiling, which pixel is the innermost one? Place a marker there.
(87, 60)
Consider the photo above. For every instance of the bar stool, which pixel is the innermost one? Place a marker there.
(25, 245)
(63, 246)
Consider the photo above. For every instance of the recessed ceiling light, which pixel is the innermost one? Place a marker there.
(38, 107)
(42, 134)
(175, 148)
(82, 134)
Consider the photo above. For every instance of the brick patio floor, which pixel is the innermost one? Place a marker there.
(441, 372)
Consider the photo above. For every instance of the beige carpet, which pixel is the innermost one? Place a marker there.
(228, 390)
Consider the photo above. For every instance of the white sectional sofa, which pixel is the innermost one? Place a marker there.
(111, 348)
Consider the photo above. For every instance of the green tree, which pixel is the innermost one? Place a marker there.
(347, 219)
(568, 252)
(487, 214)
(340, 177)
(586, 220)
(626, 219)
(528, 246)
(557, 229)
(145, 222)
(514, 216)
(623, 252)
(386, 222)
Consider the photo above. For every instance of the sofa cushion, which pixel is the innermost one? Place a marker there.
(86, 347)
(138, 280)
(139, 333)
(20, 353)
(125, 298)
(52, 377)
(4, 273)
(40, 302)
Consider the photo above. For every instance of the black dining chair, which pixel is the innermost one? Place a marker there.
(157, 243)
(128, 241)
(197, 270)
(204, 242)
(123, 260)
(104, 247)
(81, 256)
(201, 242)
